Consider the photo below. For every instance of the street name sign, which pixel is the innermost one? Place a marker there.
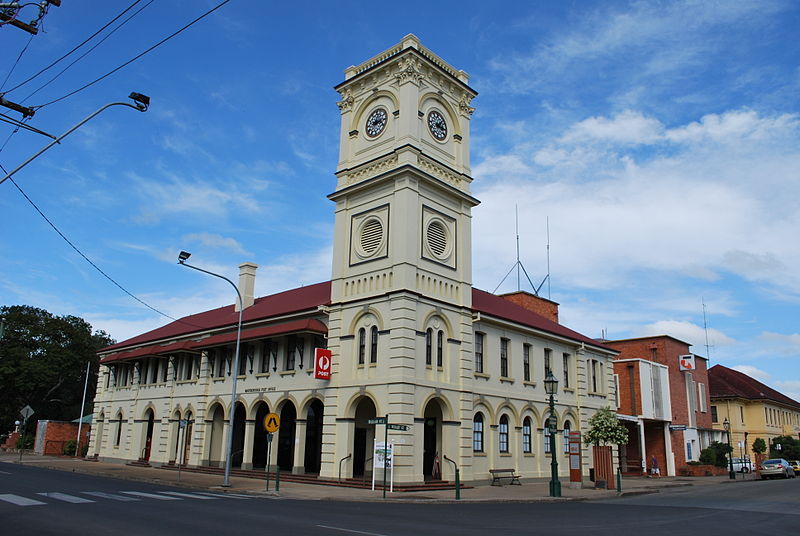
(401, 427)
(378, 420)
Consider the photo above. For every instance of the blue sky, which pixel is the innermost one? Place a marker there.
(660, 139)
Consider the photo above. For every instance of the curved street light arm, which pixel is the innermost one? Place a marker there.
(141, 105)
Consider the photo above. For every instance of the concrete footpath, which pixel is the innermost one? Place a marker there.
(531, 490)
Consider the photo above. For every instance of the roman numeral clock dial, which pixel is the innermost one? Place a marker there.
(376, 122)
(437, 125)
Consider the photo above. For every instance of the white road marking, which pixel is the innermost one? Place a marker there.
(112, 496)
(4, 473)
(64, 497)
(351, 531)
(225, 495)
(150, 495)
(19, 501)
(189, 495)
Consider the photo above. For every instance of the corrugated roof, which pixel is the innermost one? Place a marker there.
(290, 301)
(295, 326)
(308, 299)
(728, 383)
(493, 305)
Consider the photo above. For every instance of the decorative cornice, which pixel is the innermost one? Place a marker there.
(346, 104)
(463, 105)
(376, 168)
(441, 172)
(409, 70)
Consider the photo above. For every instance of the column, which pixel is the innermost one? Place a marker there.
(247, 455)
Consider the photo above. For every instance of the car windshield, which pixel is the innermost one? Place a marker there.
(772, 462)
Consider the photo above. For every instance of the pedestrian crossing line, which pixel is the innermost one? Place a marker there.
(111, 496)
(225, 495)
(151, 495)
(189, 495)
(64, 497)
(19, 501)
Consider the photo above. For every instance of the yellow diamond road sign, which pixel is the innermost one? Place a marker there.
(272, 422)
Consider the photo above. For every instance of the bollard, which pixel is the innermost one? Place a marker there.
(619, 480)
(277, 478)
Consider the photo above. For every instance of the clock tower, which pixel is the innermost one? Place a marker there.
(400, 319)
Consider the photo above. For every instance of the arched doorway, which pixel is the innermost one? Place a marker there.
(363, 436)
(175, 432)
(217, 427)
(313, 454)
(187, 437)
(432, 441)
(148, 439)
(286, 435)
(239, 416)
(260, 437)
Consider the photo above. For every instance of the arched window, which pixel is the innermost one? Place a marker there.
(567, 427)
(503, 434)
(428, 346)
(477, 432)
(439, 347)
(373, 346)
(546, 432)
(362, 343)
(526, 435)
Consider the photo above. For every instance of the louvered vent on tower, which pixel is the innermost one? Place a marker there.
(371, 236)
(437, 238)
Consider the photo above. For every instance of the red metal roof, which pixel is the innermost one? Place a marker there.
(728, 383)
(308, 299)
(156, 349)
(290, 301)
(295, 326)
(493, 305)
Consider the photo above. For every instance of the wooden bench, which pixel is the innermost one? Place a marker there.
(499, 474)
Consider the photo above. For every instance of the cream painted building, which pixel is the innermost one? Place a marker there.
(409, 335)
(753, 409)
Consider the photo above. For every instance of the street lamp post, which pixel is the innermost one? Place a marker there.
(550, 387)
(182, 257)
(727, 425)
(141, 103)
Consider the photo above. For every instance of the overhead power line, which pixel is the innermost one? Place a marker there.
(93, 82)
(76, 47)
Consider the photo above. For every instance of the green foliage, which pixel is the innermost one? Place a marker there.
(42, 364)
(604, 428)
(25, 442)
(759, 445)
(716, 454)
(69, 448)
(790, 448)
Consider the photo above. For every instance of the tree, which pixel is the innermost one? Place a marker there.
(43, 362)
(604, 428)
(716, 454)
(759, 446)
(790, 448)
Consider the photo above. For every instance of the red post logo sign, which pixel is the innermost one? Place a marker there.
(686, 362)
(322, 363)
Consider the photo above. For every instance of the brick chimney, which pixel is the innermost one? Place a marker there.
(247, 284)
(531, 302)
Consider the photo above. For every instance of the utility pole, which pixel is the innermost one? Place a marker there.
(10, 10)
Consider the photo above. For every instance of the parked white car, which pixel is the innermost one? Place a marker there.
(742, 465)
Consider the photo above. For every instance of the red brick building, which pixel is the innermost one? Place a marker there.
(666, 409)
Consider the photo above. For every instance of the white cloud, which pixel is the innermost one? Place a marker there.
(217, 241)
(753, 372)
(780, 344)
(790, 388)
(628, 127)
(687, 332)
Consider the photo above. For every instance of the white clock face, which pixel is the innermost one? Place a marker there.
(376, 122)
(437, 125)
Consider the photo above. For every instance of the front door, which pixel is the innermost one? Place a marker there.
(429, 446)
(359, 452)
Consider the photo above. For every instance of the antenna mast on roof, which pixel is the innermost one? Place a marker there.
(705, 327)
(519, 266)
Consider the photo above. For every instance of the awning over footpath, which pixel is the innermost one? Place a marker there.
(194, 346)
